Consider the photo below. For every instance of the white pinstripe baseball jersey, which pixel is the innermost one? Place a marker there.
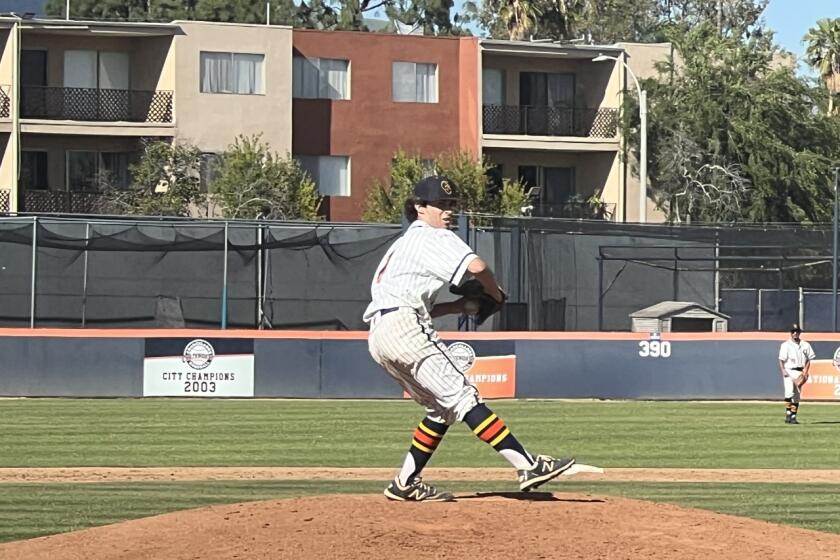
(421, 262)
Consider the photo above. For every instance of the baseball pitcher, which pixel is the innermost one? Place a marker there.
(402, 339)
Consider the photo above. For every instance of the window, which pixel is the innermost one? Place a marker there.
(209, 170)
(414, 82)
(320, 78)
(330, 173)
(89, 171)
(558, 183)
(492, 87)
(224, 72)
(33, 170)
(541, 89)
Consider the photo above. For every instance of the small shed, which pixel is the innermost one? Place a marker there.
(678, 316)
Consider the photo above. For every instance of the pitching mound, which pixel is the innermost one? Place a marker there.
(491, 526)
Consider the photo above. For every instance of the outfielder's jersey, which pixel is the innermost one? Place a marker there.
(795, 355)
(422, 261)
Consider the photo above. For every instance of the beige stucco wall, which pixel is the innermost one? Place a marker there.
(212, 121)
(642, 59)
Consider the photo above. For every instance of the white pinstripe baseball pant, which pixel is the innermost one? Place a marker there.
(407, 346)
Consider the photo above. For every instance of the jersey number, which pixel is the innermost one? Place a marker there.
(654, 349)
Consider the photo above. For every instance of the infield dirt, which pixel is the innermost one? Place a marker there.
(489, 526)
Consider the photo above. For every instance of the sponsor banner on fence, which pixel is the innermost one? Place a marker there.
(494, 375)
(823, 381)
(198, 367)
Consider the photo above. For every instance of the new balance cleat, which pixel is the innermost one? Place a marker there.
(544, 469)
(416, 491)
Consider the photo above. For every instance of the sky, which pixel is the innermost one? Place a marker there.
(791, 19)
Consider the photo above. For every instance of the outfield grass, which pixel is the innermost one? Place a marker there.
(171, 432)
(28, 510)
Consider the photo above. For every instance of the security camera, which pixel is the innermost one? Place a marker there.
(526, 210)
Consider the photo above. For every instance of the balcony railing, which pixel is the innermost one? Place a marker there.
(5, 105)
(550, 121)
(5, 200)
(92, 104)
(60, 202)
(576, 210)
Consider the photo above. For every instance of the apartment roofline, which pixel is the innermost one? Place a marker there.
(547, 48)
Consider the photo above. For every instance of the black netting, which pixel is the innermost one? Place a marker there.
(561, 275)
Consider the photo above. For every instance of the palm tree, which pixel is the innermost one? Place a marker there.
(823, 54)
(519, 17)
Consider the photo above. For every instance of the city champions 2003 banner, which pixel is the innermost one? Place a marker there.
(198, 367)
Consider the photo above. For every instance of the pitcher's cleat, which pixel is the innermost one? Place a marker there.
(545, 468)
(416, 491)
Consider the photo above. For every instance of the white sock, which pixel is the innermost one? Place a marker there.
(407, 470)
(520, 462)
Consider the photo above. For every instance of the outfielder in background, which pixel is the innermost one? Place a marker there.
(402, 339)
(795, 357)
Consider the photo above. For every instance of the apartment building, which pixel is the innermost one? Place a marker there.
(360, 97)
(79, 98)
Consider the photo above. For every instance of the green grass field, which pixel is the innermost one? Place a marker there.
(172, 433)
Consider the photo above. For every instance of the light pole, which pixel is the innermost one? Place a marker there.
(642, 135)
(834, 257)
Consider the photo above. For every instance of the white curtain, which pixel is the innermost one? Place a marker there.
(333, 79)
(491, 86)
(330, 173)
(427, 83)
(305, 77)
(216, 72)
(404, 82)
(333, 176)
(80, 69)
(249, 73)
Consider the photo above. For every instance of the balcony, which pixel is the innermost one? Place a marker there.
(550, 121)
(59, 202)
(581, 210)
(92, 104)
(5, 105)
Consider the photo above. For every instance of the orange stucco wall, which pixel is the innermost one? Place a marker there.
(370, 126)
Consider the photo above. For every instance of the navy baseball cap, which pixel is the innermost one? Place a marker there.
(436, 187)
(795, 328)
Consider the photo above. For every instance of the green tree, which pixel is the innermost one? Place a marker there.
(734, 137)
(823, 54)
(113, 10)
(385, 202)
(165, 182)
(253, 180)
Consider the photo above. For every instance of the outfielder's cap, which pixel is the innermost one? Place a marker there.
(434, 188)
(795, 328)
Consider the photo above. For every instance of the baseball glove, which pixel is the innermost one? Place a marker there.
(473, 292)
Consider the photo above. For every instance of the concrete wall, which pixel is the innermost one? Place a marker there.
(329, 365)
(212, 121)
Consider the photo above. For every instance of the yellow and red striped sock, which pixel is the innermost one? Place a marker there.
(492, 430)
(426, 439)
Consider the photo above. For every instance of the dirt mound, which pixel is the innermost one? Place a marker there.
(491, 526)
